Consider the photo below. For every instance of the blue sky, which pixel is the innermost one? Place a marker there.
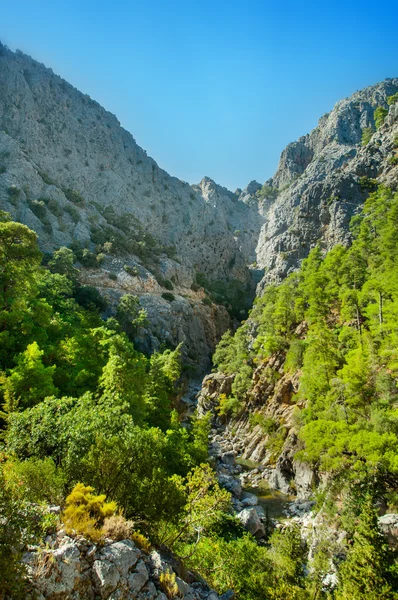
(211, 88)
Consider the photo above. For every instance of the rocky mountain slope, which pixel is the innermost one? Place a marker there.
(320, 181)
(71, 173)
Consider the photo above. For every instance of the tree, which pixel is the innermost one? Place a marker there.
(365, 572)
(130, 314)
(379, 116)
(29, 382)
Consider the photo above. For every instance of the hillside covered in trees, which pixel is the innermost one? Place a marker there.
(105, 418)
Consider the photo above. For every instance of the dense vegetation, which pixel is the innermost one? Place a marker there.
(336, 323)
(88, 422)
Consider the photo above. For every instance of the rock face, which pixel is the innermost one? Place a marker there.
(70, 172)
(317, 187)
(75, 568)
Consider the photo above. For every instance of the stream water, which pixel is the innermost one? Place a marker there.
(273, 502)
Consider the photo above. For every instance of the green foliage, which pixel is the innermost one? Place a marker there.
(366, 571)
(11, 569)
(168, 296)
(34, 480)
(267, 191)
(367, 133)
(74, 196)
(130, 315)
(28, 382)
(231, 294)
(334, 324)
(392, 99)
(379, 116)
(85, 513)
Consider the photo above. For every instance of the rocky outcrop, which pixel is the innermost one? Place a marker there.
(319, 183)
(73, 567)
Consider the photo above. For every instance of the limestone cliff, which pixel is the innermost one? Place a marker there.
(320, 181)
(70, 172)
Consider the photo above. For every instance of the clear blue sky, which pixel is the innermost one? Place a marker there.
(211, 88)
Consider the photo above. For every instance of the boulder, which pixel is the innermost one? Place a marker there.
(251, 521)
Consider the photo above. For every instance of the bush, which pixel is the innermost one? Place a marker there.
(392, 99)
(141, 541)
(393, 160)
(168, 584)
(133, 271)
(117, 527)
(168, 296)
(168, 285)
(34, 480)
(46, 178)
(88, 259)
(73, 212)
(85, 513)
(38, 208)
(74, 196)
(379, 116)
(13, 193)
(90, 298)
(367, 133)
(206, 301)
(112, 276)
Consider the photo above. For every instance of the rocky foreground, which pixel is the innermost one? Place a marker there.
(75, 568)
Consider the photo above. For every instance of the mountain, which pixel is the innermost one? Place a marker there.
(72, 174)
(321, 182)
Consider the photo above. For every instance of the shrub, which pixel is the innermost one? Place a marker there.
(393, 160)
(85, 513)
(206, 301)
(46, 178)
(267, 191)
(168, 296)
(88, 259)
(133, 271)
(367, 184)
(52, 206)
(13, 193)
(74, 196)
(3, 169)
(168, 285)
(73, 212)
(392, 99)
(168, 584)
(141, 541)
(34, 480)
(117, 527)
(367, 133)
(112, 276)
(379, 116)
(89, 297)
(38, 208)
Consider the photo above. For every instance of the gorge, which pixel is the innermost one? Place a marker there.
(144, 283)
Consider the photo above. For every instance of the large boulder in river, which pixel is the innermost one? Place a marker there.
(251, 521)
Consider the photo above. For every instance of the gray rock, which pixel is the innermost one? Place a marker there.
(139, 578)
(251, 521)
(249, 499)
(106, 577)
(124, 554)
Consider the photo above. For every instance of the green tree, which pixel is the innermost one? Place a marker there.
(380, 115)
(365, 572)
(29, 382)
